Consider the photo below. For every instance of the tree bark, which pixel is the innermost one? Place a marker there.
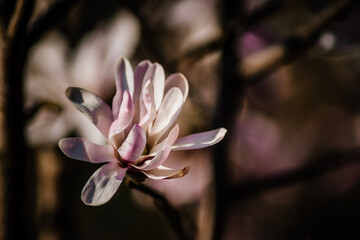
(15, 163)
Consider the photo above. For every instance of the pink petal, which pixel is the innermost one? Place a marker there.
(80, 149)
(161, 151)
(177, 80)
(124, 80)
(134, 144)
(103, 184)
(93, 107)
(199, 140)
(124, 119)
(147, 105)
(167, 114)
(156, 75)
(139, 74)
(163, 172)
(167, 142)
(153, 162)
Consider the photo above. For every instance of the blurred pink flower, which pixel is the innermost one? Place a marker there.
(139, 128)
(53, 66)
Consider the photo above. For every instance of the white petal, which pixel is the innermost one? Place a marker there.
(163, 172)
(80, 149)
(124, 80)
(103, 184)
(93, 107)
(156, 75)
(156, 161)
(199, 140)
(134, 144)
(167, 114)
(177, 80)
(168, 141)
(126, 113)
(147, 106)
(160, 151)
(139, 75)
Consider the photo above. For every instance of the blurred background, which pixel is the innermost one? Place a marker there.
(283, 76)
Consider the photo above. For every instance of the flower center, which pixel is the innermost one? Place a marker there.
(146, 150)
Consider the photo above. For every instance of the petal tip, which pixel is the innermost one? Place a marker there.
(222, 132)
(68, 92)
(183, 172)
(119, 60)
(61, 143)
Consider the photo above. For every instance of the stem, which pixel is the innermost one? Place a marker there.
(163, 205)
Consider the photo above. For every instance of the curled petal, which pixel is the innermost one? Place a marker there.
(153, 162)
(134, 144)
(124, 119)
(167, 114)
(103, 184)
(80, 149)
(147, 105)
(199, 140)
(161, 151)
(139, 75)
(156, 75)
(177, 80)
(163, 172)
(124, 80)
(93, 107)
(167, 142)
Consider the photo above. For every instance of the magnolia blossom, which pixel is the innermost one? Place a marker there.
(53, 66)
(140, 128)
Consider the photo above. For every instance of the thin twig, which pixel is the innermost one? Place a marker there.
(193, 55)
(164, 206)
(246, 21)
(30, 111)
(16, 19)
(294, 45)
(261, 12)
(316, 168)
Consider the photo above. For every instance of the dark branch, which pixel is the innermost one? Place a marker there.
(164, 206)
(196, 54)
(19, 19)
(6, 11)
(316, 168)
(44, 22)
(269, 58)
(246, 21)
(261, 12)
